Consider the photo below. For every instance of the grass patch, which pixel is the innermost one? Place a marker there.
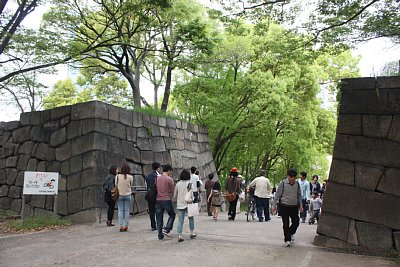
(8, 213)
(158, 113)
(38, 223)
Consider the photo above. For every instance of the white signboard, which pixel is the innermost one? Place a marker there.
(40, 183)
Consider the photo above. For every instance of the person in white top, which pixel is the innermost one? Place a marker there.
(305, 195)
(180, 191)
(196, 183)
(261, 195)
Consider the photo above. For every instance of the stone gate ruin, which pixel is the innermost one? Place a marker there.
(81, 142)
(362, 204)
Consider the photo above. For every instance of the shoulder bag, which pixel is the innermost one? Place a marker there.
(115, 192)
(151, 193)
(189, 194)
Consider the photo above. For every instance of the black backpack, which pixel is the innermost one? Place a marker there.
(151, 193)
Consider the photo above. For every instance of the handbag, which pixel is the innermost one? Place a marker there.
(151, 193)
(193, 209)
(231, 196)
(115, 192)
(189, 194)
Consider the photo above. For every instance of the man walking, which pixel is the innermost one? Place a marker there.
(288, 195)
(305, 195)
(196, 183)
(261, 194)
(165, 190)
(150, 180)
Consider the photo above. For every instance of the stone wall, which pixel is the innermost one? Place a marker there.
(362, 204)
(81, 142)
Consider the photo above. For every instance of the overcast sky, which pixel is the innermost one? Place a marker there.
(374, 55)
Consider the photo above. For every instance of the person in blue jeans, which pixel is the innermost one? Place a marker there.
(124, 182)
(165, 189)
(181, 189)
(261, 195)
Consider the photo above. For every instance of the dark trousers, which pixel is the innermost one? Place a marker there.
(303, 214)
(232, 208)
(315, 216)
(209, 205)
(291, 213)
(262, 205)
(195, 197)
(111, 205)
(161, 206)
(152, 214)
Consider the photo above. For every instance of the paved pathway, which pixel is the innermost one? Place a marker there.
(222, 243)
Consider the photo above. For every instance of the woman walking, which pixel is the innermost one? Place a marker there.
(180, 191)
(108, 185)
(216, 199)
(124, 181)
(232, 186)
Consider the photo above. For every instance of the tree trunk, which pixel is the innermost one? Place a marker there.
(167, 89)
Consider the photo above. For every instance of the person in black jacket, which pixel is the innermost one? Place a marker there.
(108, 185)
(150, 180)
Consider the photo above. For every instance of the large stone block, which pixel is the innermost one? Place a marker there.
(390, 182)
(11, 176)
(21, 135)
(125, 117)
(349, 124)
(5, 203)
(176, 159)
(58, 137)
(345, 200)
(26, 148)
(15, 192)
(164, 132)
(368, 176)
(41, 151)
(91, 177)
(157, 144)
(32, 165)
(8, 149)
(118, 130)
(51, 126)
(376, 125)
(155, 130)
(358, 83)
(381, 101)
(60, 112)
(352, 237)
(374, 236)
(179, 144)
(143, 144)
(62, 203)
(25, 118)
(4, 138)
(2, 163)
(162, 122)
(42, 166)
(75, 164)
(54, 166)
(180, 134)
(143, 132)
(74, 129)
(23, 161)
(11, 162)
(130, 152)
(113, 112)
(11, 125)
(36, 118)
(333, 225)
(4, 190)
(146, 120)
(388, 82)
(51, 154)
(171, 123)
(394, 131)
(37, 134)
(135, 168)
(49, 203)
(114, 145)
(137, 119)
(38, 201)
(64, 152)
(20, 179)
(84, 144)
(172, 133)
(169, 143)
(75, 201)
(147, 157)
(16, 205)
(131, 134)
(358, 149)
(89, 110)
(91, 197)
(89, 215)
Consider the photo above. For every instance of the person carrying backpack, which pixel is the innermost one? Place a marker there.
(109, 185)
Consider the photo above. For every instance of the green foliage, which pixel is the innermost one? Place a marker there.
(37, 223)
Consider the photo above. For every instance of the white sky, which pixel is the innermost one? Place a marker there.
(375, 54)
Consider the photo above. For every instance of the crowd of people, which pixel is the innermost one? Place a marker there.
(293, 200)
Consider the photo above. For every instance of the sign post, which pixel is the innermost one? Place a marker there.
(40, 183)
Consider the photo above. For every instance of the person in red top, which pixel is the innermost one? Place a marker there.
(165, 190)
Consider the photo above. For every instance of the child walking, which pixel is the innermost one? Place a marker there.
(316, 204)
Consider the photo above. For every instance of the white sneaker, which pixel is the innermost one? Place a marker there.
(288, 243)
(292, 237)
(167, 233)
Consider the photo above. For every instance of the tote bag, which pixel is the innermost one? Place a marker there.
(193, 209)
